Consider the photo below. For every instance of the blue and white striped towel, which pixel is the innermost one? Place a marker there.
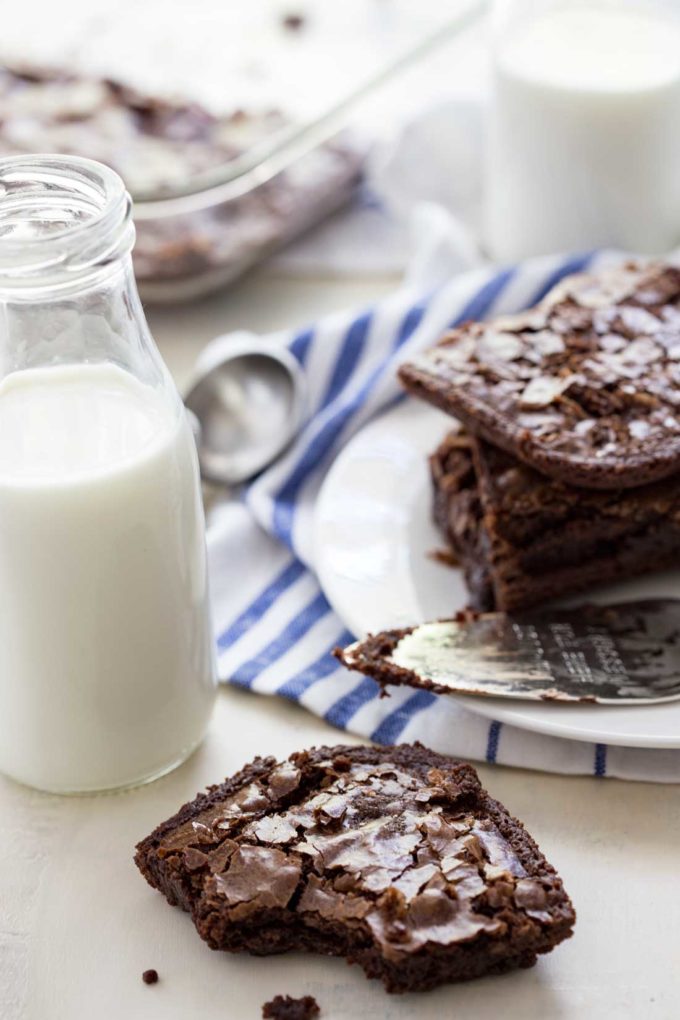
(275, 629)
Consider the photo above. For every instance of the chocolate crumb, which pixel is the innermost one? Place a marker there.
(150, 977)
(283, 1007)
(293, 22)
(444, 556)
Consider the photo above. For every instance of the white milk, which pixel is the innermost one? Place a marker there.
(106, 671)
(584, 142)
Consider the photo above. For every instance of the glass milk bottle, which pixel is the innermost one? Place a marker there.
(583, 140)
(106, 656)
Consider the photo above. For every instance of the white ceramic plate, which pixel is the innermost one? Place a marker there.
(373, 533)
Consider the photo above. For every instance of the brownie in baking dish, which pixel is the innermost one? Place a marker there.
(585, 387)
(159, 145)
(522, 537)
(395, 858)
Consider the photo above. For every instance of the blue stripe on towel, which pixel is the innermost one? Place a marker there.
(351, 350)
(341, 711)
(410, 322)
(575, 264)
(317, 670)
(248, 671)
(392, 726)
(480, 303)
(492, 742)
(318, 447)
(600, 762)
(259, 606)
(301, 344)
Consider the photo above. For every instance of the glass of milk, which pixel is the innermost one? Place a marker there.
(107, 674)
(584, 133)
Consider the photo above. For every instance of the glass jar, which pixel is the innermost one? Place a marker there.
(583, 147)
(107, 674)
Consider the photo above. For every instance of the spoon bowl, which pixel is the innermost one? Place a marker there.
(249, 407)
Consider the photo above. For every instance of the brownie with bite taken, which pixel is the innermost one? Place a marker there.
(395, 858)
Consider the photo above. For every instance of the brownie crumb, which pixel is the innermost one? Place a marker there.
(283, 1007)
(444, 556)
(150, 977)
(293, 22)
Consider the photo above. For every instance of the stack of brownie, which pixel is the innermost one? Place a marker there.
(566, 471)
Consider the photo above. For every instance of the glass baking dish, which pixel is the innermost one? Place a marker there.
(263, 148)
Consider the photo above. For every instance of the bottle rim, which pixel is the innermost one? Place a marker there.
(62, 218)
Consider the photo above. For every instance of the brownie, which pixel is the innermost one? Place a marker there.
(585, 387)
(155, 144)
(458, 514)
(284, 1007)
(522, 537)
(160, 146)
(394, 858)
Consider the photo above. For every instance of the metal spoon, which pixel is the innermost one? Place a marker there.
(623, 654)
(248, 407)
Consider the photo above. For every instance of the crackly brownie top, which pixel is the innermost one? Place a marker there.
(153, 143)
(401, 840)
(584, 387)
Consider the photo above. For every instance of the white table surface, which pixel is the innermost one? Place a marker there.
(78, 925)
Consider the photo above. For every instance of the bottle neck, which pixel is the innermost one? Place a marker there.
(67, 289)
(62, 221)
(100, 320)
